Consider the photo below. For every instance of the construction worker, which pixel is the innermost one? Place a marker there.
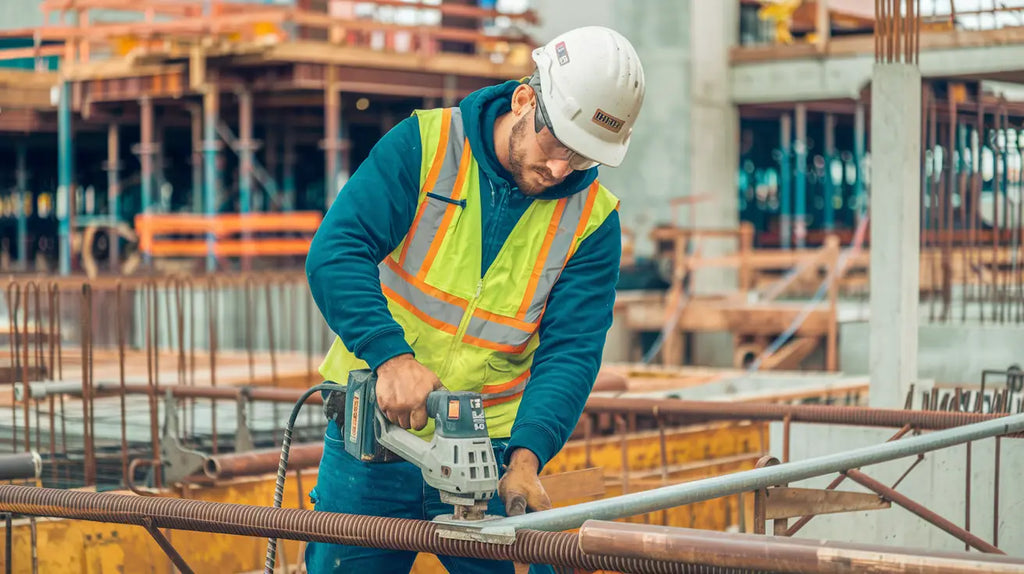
(475, 249)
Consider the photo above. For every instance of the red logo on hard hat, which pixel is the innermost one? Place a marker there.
(563, 54)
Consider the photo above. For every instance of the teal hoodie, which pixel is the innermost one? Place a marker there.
(374, 211)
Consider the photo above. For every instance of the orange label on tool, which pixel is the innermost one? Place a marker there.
(353, 431)
(453, 409)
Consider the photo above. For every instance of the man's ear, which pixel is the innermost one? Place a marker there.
(522, 99)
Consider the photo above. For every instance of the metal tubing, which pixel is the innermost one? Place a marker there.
(924, 513)
(113, 191)
(677, 495)
(734, 550)
(146, 151)
(332, 135)
(800, 158)
(21, 466)
(288, 169)
(859, 139)
(65, 169)
(555, 548)
(697, 411)
(245, 151)
(829, 186)
(785, 182)
(210, 172)
(167, 547)
(264, 461)
(21, 177)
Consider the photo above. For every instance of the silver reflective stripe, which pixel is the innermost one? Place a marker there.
(437, 309)
(497, 333)
(434, 209)
(557, 254)
(507, 392)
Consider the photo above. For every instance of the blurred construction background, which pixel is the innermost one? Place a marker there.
(823, 244)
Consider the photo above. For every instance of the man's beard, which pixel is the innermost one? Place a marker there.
(517, 160)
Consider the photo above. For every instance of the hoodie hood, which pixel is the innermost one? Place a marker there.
(479, 111)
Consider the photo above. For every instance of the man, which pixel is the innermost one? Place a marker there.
(475, 250)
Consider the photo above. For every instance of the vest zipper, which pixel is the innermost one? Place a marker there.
(461, 331)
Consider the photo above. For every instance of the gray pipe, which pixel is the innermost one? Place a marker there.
(570, 517)
(21, 466)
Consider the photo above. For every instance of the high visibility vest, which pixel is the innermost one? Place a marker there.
(475, 333)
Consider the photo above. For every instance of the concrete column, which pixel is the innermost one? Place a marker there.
(713, 132)
(895, 225)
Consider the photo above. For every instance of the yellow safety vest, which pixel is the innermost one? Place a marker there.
(476, 334)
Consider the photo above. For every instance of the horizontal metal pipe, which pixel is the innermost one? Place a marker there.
(716, 410)
(924, 513)
(41, 390)
(555, 548)
(777, 554)
(686, 411)
(706, 489)
(264, 461)
(21, 466)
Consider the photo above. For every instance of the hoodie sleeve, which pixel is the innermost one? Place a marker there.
(368, 219)
(572, 336)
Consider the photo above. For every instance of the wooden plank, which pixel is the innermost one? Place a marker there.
(785, 502)
(791, 354)
(573, 484)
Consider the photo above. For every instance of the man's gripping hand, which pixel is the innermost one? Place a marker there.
(520, 488)
(403, 384)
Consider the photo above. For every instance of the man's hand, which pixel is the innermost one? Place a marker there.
(403, 384)
(520, 488)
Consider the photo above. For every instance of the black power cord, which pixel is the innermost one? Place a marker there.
(282, 467)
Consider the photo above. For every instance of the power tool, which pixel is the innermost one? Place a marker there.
(458, 461)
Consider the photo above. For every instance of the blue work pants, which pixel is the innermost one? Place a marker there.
(393, 489)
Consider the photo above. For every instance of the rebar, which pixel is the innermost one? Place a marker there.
(778, 554)
(709, 488)
(697, 411)
(530, 547)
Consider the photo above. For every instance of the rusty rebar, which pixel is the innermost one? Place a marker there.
(921, 511)
(699, 411)
(264, 461)
(121, 344)
(734, 550)
(531, 547)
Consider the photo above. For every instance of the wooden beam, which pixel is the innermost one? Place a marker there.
(787, 502)
(789, 357)
(463, 65)
(573, 484)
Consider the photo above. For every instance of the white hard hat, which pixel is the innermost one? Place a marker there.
(591, 91)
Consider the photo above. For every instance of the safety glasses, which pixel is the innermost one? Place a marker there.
(548, 141)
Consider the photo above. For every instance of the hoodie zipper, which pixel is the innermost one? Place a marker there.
(497, 212)
(461, 331)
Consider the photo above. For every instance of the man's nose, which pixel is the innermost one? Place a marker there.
(559, 168)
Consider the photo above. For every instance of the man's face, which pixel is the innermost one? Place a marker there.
(537, 160)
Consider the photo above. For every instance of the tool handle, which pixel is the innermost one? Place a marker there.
(400, 441)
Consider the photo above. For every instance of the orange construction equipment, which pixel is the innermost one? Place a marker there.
(233, 234)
